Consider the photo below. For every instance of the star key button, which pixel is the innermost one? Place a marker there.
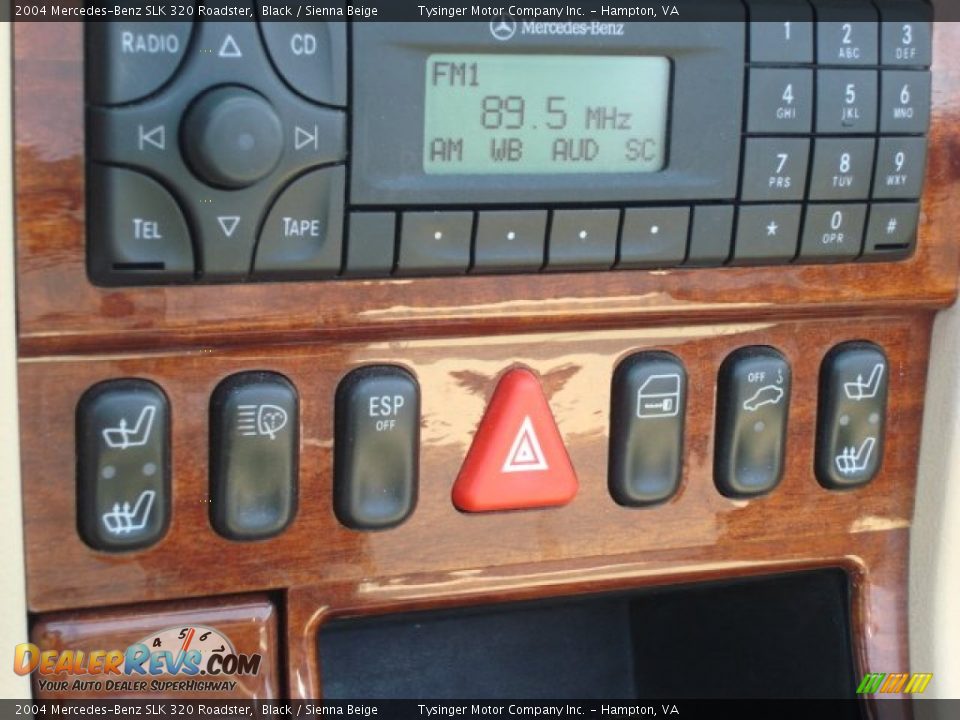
(766, 234)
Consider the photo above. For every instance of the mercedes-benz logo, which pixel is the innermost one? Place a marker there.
(503, 29)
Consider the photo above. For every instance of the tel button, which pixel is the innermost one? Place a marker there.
(647, 408)
(377, 447)
(303, 234)
(136, 229)
(517, 459)
(311, 57)
(123, 465)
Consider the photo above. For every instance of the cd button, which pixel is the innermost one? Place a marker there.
(510, 240)
(583, 239)
(311, 57)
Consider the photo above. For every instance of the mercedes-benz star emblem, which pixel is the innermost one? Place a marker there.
(503, 29)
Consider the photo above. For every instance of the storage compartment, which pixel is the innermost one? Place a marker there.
(777, 636)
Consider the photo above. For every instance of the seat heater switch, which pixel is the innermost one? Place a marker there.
(852, 415)
(377, 447)
(753, 399)
(123, 465)
(254, 455)
(647, 409)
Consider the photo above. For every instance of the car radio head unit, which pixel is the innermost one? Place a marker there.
(453, 114)
(302, 151)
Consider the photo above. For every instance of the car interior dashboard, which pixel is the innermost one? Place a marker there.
(485, 359)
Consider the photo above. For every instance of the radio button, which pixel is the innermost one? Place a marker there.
(833, 233)
(127, 61)
(905, 33)
(303, 234)
(311, 57)
(892, 230)
(901, 163)
(371, 245)
(780, 31)
(583, 239)
(847, 101)
(434, 243)
(905, 102)
(775, 169)
(510, 240)
(847, 32)
(710, 235)
(781, 101)
(653, 237)
(766, 234)
(841, 169)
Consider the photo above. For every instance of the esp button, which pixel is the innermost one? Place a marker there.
(647, 410)
(377, 447)
(852, 415)
(254, 448)
(123, 465)
(752, 403)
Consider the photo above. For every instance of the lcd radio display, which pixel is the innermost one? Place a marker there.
(499, 114)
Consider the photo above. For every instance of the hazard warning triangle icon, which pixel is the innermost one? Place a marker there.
(517, 459)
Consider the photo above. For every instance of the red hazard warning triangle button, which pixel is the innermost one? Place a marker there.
(518, 459)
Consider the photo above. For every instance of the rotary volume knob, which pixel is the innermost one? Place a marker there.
(232, 137)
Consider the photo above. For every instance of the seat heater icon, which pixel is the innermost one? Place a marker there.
(122, 437)
(659, 396)
(264, 420)
(853, 460)
(123, 519)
